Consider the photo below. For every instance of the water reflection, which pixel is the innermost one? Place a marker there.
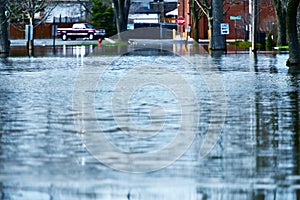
(277, 118)
(42, 155)
(48, 51)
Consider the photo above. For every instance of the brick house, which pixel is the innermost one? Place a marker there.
(238, 28)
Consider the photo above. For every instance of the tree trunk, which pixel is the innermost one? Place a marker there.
(4, 42)
(195, 16)
(255, 16)
(217, 41)
(281, 27)
(291, 23)
(298, 21)
(30, 42)
(121, 10)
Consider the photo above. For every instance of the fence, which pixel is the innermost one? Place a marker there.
(42, 31)
(66, 19)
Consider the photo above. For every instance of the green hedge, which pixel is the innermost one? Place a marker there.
(244, 44)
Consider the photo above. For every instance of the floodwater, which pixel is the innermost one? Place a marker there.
(55, 107)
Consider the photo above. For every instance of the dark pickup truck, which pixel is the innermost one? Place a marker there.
(81, 30)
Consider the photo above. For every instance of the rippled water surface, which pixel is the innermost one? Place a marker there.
(52, 109)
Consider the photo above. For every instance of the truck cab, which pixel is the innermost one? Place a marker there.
(81, 30)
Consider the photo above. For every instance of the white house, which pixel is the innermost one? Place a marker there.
(68, 10)
(150, 13)
(75, 10)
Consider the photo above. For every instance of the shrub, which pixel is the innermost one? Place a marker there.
(244, 44)
(269, 42)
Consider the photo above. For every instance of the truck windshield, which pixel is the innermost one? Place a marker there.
(89, 26)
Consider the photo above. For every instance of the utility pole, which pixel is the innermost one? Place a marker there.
(250, 20)
(254, 16)
(29, 37)
(244, 21)
(217, 40)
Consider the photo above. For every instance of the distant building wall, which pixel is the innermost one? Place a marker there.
(240, 28)
(267, 19)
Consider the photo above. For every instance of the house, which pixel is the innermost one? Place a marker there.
(141, 15)
(239, 28)
(152, 14)
(68, 11)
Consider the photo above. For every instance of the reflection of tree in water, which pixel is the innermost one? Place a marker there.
(277, 134)
(1, 184)
(294, 96)
(271, 67)
(267, 134)
(1, 151)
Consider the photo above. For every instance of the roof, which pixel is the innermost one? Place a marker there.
(173, 12)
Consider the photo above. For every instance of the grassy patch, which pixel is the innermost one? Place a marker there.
(115, 44)
(283, 47)
(244, 44)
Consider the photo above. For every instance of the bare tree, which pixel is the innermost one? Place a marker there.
(121, 10)
(25, 11)
(197, 14)
(291, 23)
(280, 9)
(4, 42)
(88, 7)
(298, 23)
(214, 11)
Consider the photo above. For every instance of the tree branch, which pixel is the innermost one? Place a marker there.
(202, 7)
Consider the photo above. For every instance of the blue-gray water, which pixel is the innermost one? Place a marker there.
(43, 156)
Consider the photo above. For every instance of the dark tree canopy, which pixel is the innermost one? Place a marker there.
(103, 16)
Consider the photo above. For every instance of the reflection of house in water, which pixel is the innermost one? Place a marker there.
(153, 14)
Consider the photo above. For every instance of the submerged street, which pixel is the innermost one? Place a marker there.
(142, 100)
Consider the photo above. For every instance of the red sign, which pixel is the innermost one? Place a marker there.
(180, 21)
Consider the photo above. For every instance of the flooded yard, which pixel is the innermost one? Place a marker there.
(150, 122)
